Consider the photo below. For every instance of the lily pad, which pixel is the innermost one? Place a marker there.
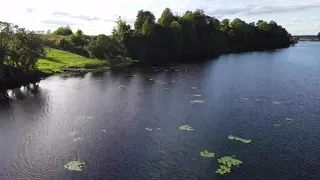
(277, 125)
(243, 98)
(276, 102)
(197, 95)
(289, 119)
(206, 154)
(148, 129)
(239, 139)
(197, 101)
(226, 164)
(186, 128)
(74, 165)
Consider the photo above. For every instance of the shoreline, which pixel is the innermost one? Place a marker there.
(25, 79)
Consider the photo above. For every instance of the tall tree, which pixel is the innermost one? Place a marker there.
(319, 35)
(166, 18)
(143, 16)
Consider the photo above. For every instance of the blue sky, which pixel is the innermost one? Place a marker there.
(98, 16)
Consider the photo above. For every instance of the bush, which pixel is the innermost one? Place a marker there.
(63, 44)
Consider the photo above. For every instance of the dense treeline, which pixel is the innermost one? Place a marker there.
(191, 35)
(172, 37)
(319, 35)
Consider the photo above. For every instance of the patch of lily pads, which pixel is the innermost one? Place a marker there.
(239, 139)
(206, 154)
(197, 101)
(74, 165)
(186, 128)
(226, 163)
(244, 98)
(276, 102)
(288, 119)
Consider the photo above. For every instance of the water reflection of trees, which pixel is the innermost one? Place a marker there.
(19, 93)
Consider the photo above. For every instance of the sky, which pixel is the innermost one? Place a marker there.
(299, 17)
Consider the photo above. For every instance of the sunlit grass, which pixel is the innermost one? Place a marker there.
(56, 59)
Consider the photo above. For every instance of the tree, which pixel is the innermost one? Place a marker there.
(143, 16)
(25, 49)
(319, 35)
(166, 18)
(147, 28)
(102, 47)
(63, 31)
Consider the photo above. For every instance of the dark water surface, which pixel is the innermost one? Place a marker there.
(47, 129)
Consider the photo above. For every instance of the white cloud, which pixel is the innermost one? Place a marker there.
(98, 16)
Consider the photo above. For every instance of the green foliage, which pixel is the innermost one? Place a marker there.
(103, 47)
(166, 18)
(63, 43)
(147, 28)
(318, 35)
(142, 17)
(19, 47)
(63, 31)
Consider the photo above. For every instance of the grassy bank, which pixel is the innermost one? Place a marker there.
(56, 59)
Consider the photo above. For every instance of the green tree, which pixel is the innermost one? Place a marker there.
(166, 18)
(122, 35)
(319, 35)
(103, 47)
(63, 44)
(25, 49)
(63, 31)
(147, 28)
(142, 17)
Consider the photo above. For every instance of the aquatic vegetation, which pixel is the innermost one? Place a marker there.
(197, 101)
(123, 86)
(257, 99)
(77, 139)
(194, 88)
(288, 119)
(243, 98)
(206, 154)
(226, 164)
(74, 165)
(276, 102)
(103, 130)
(148, 129)
(151, 79)
(158, 128)
(197, 95)
(239, 139)
(277, 125)
(186, 128)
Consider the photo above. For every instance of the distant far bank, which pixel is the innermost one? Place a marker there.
(307, 37)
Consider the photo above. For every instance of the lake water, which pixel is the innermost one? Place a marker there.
(102, 119)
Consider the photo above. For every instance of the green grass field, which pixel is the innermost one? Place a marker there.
(56, 59)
